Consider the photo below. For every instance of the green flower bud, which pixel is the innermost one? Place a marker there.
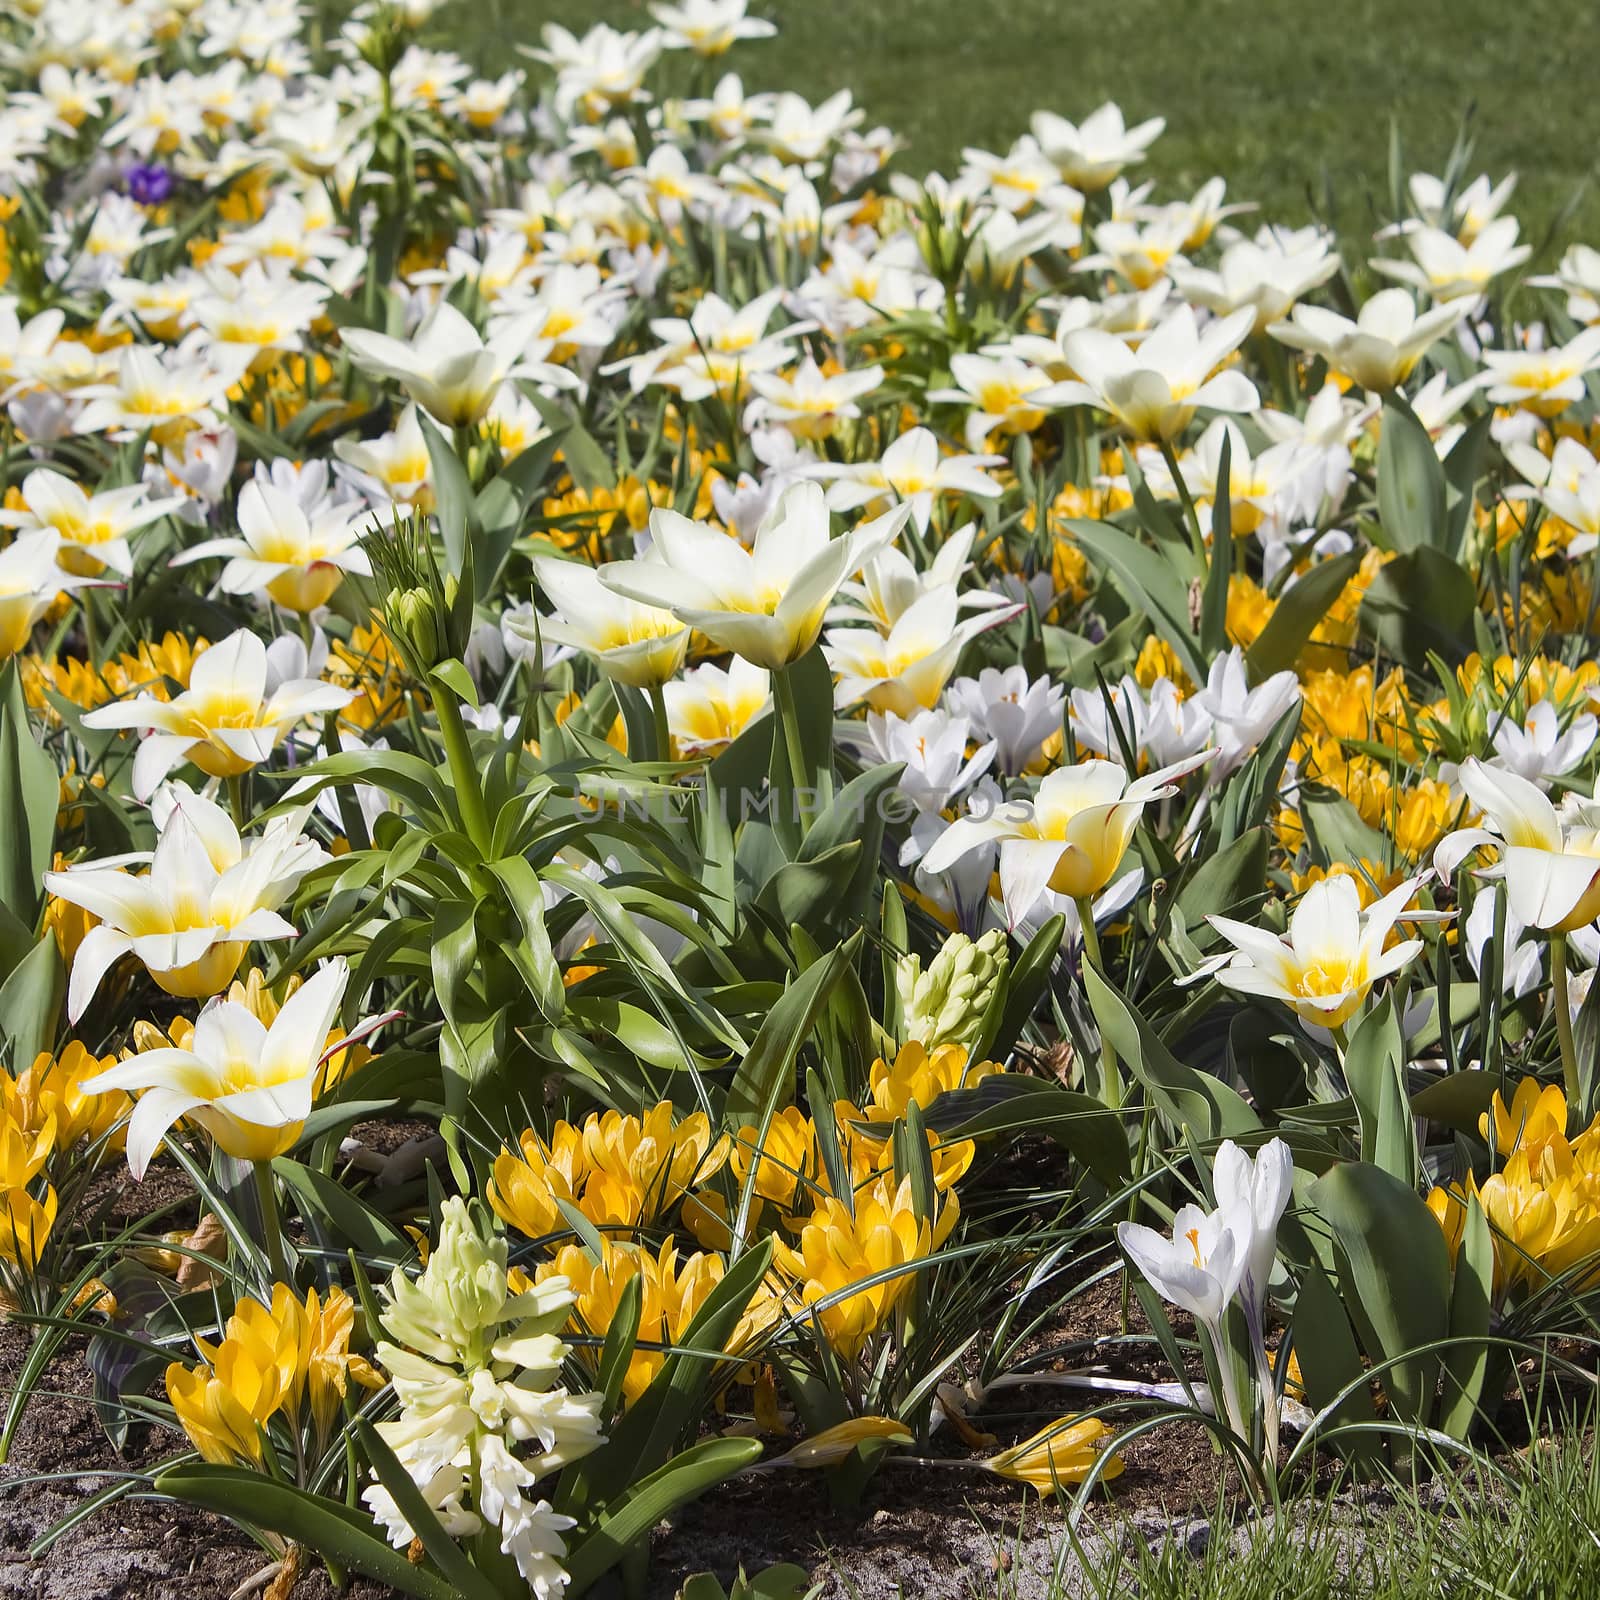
(945, 1005)
(460, 1296)
(409, 615)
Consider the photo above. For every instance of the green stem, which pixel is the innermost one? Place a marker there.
(1140, 1161)
(236, 802)
(1191, 515)
(789, 722)
(464, 776)
(91, 647)
(1110, 1075)
(1569, 1049)
(270, 1225)
(658, 709)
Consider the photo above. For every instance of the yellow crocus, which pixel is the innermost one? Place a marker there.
(52, 1088)
(1538, 1114)
(1058, 1455)
(786, 1161)
(920, 1075)
(835, 1444)
(325, 1359)
(661, 1158)
(524, 1188)
(840, 1248)
(25, 1224)
(672, 1293)
(23, 1151)
(226, 1400)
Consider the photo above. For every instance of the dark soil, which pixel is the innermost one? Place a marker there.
(917, 1529)
(136, 1549)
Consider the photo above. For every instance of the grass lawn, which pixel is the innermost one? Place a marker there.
(1285, 98)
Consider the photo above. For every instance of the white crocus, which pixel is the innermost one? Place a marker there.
(1155, 390)
(708, 27)
(1381, 348)
(1138, 252)
(93, 528)
(248, 1085)
(295, 556)
(891, 583)
(767, 603)
(1260, 1189)
(164, 393)
(808, 403)
(1521, 960)
(1467, 212)
(1163, 727)
(932, 748)
(1006, 396)
(1199, 1270)
(1018, 714)
(1333, 954)
(1549, 859)
(1071, 837)
(227, 721)
(1538, 748)
(1266, 274)
(1578, 273)
(187, 919)
(1243, 716)
(631, 642)
(448, 368)
(1544, 382)
(1278, 489)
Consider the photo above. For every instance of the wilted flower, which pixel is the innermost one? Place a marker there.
(1061, 1453)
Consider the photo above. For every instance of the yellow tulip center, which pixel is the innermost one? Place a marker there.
(1324, 978)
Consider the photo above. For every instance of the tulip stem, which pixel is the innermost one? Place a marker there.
(789, 721)
(463, 775)
(1191, 516)
(658, 711)
(1569, 1049)
(1110, 1076)
(271, 1228)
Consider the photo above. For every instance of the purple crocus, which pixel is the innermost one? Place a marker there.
(149, 185)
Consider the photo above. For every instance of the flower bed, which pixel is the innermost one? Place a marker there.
(678, 808)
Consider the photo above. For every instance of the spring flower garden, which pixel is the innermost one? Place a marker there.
(688, 826)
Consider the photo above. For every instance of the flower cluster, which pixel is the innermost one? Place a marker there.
(472, 1360)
